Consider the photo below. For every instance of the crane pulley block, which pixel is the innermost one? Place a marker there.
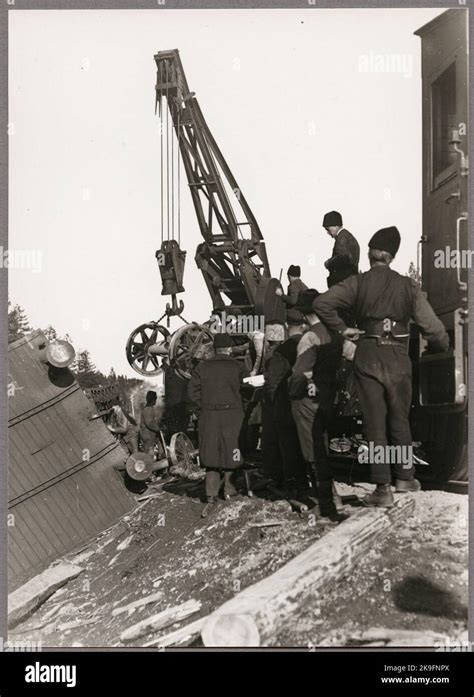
(171, 261)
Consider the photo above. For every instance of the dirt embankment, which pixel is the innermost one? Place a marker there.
(415, 579)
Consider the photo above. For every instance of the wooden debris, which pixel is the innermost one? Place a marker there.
(180, 637)
(161, 620)
(26, 599)
(75, 624)
(150, 496)
(102, 541)
(125, 543)
(268, 524)
(254, 616)
(131, 607)
(398, 637)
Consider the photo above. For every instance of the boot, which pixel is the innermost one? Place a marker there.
(229, 488)
(330, 503)
(209, 507)
(381, 497)
(336, 516)
(404, 485)
(337, 499)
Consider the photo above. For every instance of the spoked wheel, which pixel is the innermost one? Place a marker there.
(138, 344)
(182, 453)
(188, 345)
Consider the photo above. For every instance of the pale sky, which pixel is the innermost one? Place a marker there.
(296, 101)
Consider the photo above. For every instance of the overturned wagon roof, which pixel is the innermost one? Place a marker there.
(62, 486)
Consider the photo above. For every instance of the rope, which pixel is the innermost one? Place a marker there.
(167, 160)
(179, 177)
(172, 175)
(161, 129)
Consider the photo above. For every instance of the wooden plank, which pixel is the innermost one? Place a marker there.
(180, 637)
(254, 616)
(26, 599)
(131, 607)
(161, 620)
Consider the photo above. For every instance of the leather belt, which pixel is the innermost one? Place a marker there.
(386, 327)
(386, 340)
(219, 407)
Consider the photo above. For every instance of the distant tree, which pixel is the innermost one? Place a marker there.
(112, 375)
(18, 324)
(413, 273)
(84, 362)
(50, 333)
(85, 371)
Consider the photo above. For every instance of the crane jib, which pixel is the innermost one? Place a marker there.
(232, 255)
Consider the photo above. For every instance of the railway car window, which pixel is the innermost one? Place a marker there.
(443, 101)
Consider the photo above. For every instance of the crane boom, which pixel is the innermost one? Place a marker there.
(232, 257)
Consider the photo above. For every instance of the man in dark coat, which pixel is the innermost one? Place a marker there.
(344, 261)
(383, 302)
(176, 413)
(214, 392)
(282, 458)
(295, 286)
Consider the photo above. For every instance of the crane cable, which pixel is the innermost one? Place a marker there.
(167, 159)
(178, 106)
(171, 178)
(161, 156)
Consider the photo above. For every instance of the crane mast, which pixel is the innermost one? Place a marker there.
(231, 257)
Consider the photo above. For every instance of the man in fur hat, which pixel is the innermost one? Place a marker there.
(383, 303)
(344, 261)
(295, 286)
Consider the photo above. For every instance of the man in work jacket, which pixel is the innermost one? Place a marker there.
(312, 389)
(383, 302)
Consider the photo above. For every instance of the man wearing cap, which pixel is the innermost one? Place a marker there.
(383, 303)
(312, 389)
(122, 423)
(149, 423)
(344, 261)
(282, 458)
(214, 392)
(295, 286)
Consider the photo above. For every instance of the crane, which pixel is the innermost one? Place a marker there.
(232, 256)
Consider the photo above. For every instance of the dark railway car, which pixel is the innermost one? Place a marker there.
(441, 384)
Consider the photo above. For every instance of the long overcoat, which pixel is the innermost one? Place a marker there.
(214, 392)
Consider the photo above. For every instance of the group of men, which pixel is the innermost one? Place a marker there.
(363, 318)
